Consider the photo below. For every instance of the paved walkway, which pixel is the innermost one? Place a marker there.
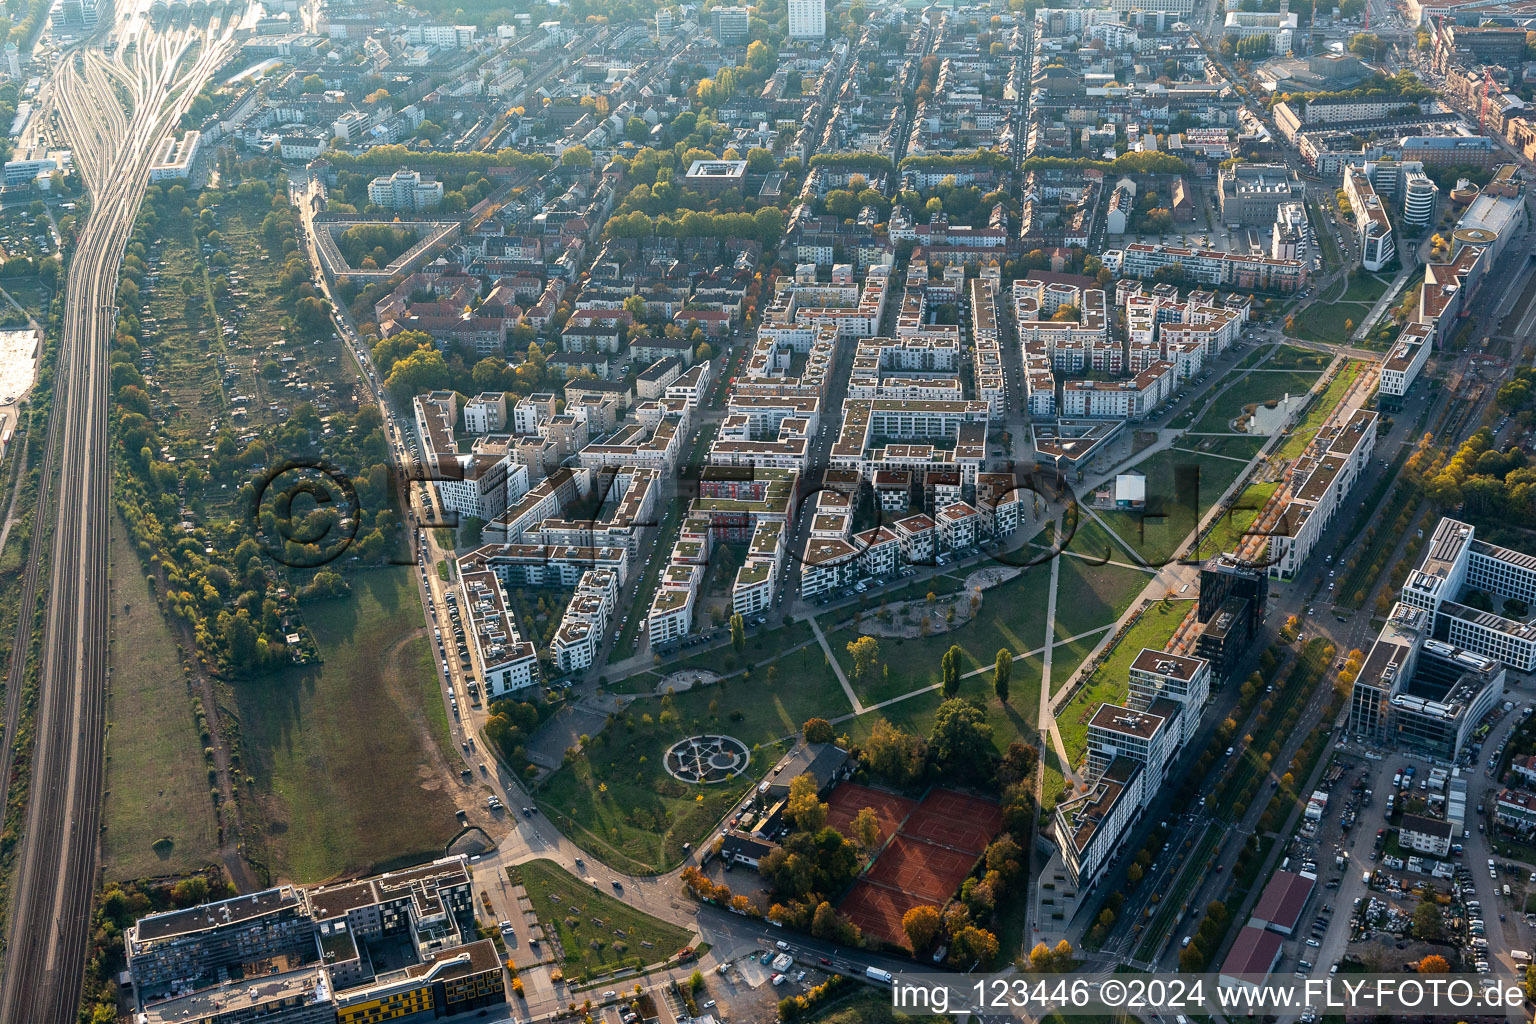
(1048, 730)
(1380, 305)
(826, 648)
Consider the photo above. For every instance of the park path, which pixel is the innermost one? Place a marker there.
(1048, 731)
(826, 648)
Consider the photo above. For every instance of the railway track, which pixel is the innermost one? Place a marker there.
(49, 923)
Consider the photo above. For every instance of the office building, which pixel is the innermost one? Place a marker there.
(1466, 583)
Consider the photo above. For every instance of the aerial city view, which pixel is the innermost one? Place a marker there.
(754, 511)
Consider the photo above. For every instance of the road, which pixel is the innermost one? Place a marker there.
(49, 921)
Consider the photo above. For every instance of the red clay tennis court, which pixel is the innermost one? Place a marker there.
(935, 847)
(878, 911)
(846, 801)
(953, 819)
(923, 869)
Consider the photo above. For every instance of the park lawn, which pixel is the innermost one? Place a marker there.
(159, 815)
(1325, 321)
(417, 653)
(1053, 780)
(598, 933)
(616, 798)
(1317, 414)
(1016, 720)
(1089, 596)
(1235, 446)
(1011, 616)
(1253, 388)
(341, 753)
(1365, 288)
(1158, 532)
(1294, 357)
(1108, 683)
(1092, 539)
(768, 646)
(1228, 530)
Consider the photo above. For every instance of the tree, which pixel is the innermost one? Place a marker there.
(578, 157)
(1428, 924)
(738, 633)
(866, 829)
(949, 664)
(1001, 673)
(804, 806)
(974, 945)
(961, 739)
(894, 754)
(921, 925)
(1434, 964)
(817, 730)
(865, 652)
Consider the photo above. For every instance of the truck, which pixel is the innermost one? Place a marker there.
(876, 974)
(1520, 956)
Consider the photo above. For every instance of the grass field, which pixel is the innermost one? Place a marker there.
(1170, 515)
(1016, 720)
(1089, 596)
(1108, 683)
(159, 814)
(616, 797)
(1326, 321)
(1236, 446)
(1318, 412)
(1293, 357)
(1012, 616)
(1251, 389)
(1227, 531)
(597, 932)
(342, 753)
(1366, 288)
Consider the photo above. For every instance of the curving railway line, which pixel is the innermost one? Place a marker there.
(48, 927)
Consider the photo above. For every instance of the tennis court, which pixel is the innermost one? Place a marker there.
(846, 801)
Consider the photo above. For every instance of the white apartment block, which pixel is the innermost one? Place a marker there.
(486, 413)
(1373, 229)
(1402, 366)
(807, 19)
(1131, 750)
(405, 190)
(1320, 482)
(506, 662)
(585, 622)
(1121, 399)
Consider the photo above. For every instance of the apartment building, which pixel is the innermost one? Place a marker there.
(328, 948)
(1131, 750)
(1402, 366)
(1319, 483)
(405, 190)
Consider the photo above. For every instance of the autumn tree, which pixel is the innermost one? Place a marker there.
(804, 807)
(866, 830)
(818, 730)
(865, 652)
(1434, 964)
(921, 924)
